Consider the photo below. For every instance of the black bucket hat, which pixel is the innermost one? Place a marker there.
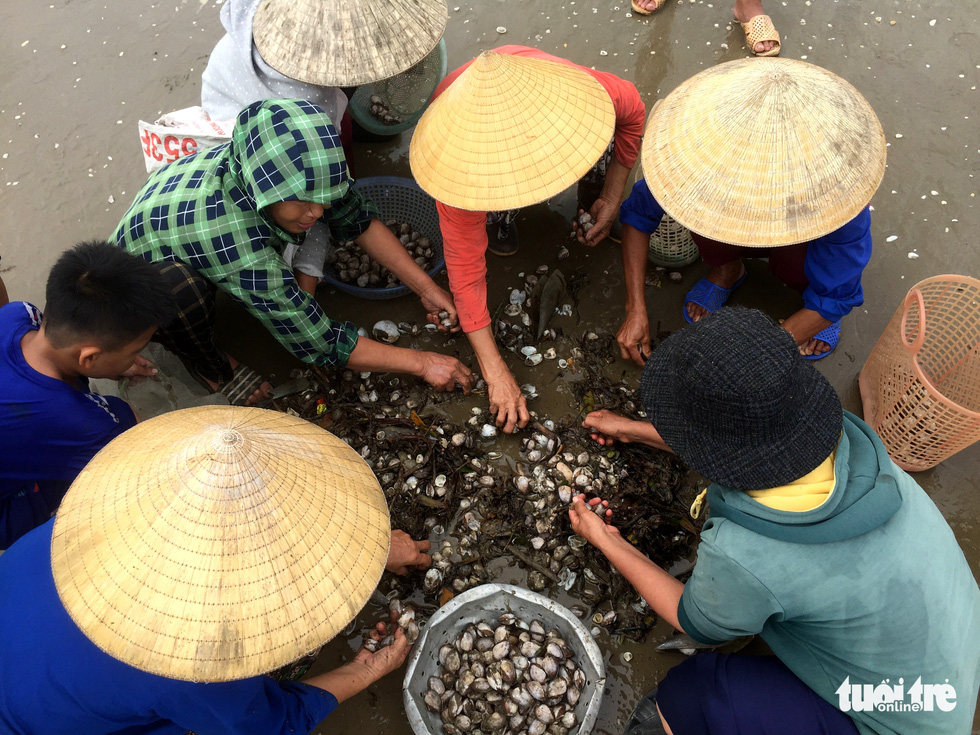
(733, 397)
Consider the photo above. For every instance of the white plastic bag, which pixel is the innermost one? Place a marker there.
(179, 134)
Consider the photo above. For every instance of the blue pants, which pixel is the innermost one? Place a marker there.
(717, 694)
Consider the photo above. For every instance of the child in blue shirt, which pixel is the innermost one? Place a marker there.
(103, 306)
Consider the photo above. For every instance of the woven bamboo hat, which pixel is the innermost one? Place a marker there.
(218, 543)
(343, 43)
(764, 152)
(510, 132)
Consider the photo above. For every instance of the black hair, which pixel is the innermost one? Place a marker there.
(100, 293)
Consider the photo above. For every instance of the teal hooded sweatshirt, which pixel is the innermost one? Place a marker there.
(867, 598)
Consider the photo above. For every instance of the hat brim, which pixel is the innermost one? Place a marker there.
(217, 543)
(812, 415)
(763, 152)
(348, 43)
(510, 132)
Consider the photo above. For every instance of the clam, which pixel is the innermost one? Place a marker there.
(495, 722)
(534, 359)
(432, 700)
(433, 579)
(501, 650)
(543, 713)
(488, 430)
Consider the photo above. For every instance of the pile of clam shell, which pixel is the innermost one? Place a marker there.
(450, 482)
(352, 265)
(516, 677)
(379, 110)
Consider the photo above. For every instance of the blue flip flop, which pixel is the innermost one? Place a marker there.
(830, 335)
(709, 295)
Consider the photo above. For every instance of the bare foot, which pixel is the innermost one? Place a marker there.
(814, 347)
(746, 10)
(723, 275)
(261, 393)
(649, 5)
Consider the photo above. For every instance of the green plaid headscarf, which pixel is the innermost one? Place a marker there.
(207, 211)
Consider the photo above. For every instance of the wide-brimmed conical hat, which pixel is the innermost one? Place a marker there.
(764, 152)
(510, 132)
(343, 43)
(218, 543)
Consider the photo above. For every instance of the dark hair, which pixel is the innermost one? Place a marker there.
(99, 292)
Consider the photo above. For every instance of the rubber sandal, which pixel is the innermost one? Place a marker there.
(640, 11)
(506, 247)
(760, 28)
(709, 295)
(243, 383)
(830, 335)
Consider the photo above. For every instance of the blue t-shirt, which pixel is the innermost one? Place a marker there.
(56, 681)
(49, 430)
(833, 264)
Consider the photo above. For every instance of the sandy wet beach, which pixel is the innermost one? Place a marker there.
(76, 75)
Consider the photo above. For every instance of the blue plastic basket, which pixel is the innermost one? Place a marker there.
(402, 200)
(409, 92)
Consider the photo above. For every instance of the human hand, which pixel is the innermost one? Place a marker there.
(405, 553)
(141, 368)
(608, 427)
(387, 659)
(443, 372)
(604, 212)
(507, 403)
(436, 300)
(588, 524)
(634, 337)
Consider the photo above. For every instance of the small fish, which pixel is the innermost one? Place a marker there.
(688, 646)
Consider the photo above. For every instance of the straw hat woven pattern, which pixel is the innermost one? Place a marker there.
(764, 152)
(511, 132)
(218, 543)
(343, 43)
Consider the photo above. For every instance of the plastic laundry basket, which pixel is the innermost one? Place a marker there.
(671, 245)
(921, 384)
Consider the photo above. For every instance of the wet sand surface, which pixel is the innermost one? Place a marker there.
(76, 76)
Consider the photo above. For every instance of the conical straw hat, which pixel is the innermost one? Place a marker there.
(510, 132)
(764, 152)
(343, 43)
(218, 543)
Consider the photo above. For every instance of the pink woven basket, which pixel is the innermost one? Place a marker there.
(920, 387)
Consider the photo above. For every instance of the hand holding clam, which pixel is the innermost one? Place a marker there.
(386, 659)
(588, 524)
(405, 553)
(440, 309)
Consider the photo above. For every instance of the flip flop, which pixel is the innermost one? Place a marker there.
(506, 247)
(709, 295)
(640, 11)
(830, 335)
(760, 28)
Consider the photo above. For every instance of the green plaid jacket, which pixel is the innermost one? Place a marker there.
(207, 211)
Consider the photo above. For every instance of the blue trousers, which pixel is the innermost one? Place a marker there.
(717, 694)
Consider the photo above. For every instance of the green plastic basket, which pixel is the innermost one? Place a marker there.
(407, 94)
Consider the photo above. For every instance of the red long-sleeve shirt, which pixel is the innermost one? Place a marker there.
(464, 234)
